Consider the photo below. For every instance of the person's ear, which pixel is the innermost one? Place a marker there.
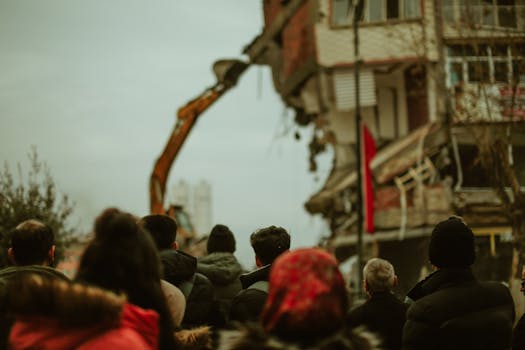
(51, 254)
(258, 262)
(395, 281)
(11, 255)
(175, 245)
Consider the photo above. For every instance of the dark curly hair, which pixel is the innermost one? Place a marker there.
(270, 242)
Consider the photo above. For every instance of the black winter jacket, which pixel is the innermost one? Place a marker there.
(179, 269)
(383, 314)
(518, 336)
(452, 310)
(248, 304)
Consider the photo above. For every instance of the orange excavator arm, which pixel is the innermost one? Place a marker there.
(227, 73)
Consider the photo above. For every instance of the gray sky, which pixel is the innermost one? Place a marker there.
(94, 85)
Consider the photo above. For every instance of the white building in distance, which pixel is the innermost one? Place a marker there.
(196, 200)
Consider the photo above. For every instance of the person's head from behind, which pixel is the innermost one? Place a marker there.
(163, 230)
(452, 244)
(379, 276)
(123, 258)
(307, 295)
(268, 243)
(32, 243)
(221, 240)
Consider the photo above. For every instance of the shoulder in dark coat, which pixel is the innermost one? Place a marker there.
(452, 310)
(383, 314)
(248, 304)
(518, 336)
(200, 303)
(180, 268)
(44, 271)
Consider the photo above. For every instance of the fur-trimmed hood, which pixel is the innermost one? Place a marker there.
(253, 337)
(199, 338)
(71, 304)
(52, 314)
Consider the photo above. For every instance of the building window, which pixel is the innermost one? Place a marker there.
(375, 11)
(341, 12)
(485, 64)
(484, 13)
(411, 9)
(455, 73)
(384, 10)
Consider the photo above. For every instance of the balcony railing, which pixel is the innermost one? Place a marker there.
(485, 16)
(488, 103)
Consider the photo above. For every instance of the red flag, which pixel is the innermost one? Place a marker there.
(368, 152)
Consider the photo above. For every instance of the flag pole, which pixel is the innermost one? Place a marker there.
(359, 201)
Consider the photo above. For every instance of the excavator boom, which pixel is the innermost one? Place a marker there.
(227, 72)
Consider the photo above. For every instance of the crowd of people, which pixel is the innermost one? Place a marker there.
(135, 289)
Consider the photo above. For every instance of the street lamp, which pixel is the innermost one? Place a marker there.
(357, 14)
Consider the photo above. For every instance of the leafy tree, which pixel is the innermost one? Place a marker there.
(33, 196)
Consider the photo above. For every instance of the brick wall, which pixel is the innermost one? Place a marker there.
(297, 40)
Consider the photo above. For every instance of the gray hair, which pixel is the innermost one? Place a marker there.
(379, 275)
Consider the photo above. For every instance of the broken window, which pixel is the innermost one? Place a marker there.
(478, 71)
(518, 71)
(392, 9)
(473, 173)
(383, 10)
(501, 72)
(375, 11)
(518, 156)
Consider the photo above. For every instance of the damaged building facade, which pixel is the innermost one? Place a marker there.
(430, 72)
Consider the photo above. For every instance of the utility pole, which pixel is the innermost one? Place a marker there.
(359, 202)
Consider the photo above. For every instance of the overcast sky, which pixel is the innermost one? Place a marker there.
(95, 84)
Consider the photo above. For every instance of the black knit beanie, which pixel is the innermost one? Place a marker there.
(221, 239)
(452, 244)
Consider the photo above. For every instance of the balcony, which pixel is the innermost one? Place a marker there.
(482, 103)
(486, 16)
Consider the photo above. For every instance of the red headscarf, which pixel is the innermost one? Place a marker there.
(307, 294)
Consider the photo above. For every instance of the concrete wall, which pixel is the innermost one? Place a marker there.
(380, 42)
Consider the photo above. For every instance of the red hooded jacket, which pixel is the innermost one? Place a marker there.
(137, 330)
